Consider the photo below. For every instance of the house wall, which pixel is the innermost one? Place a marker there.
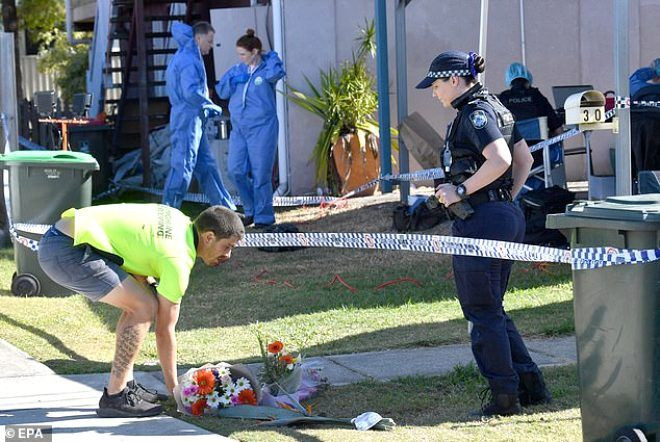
(319, 34)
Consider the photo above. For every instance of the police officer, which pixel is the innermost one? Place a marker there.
(489, 163)
(525, 101)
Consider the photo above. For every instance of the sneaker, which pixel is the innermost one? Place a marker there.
(261, 226)
(126, 404)
(532, 389)
(146, 394)
(499, 404)
(246, 220)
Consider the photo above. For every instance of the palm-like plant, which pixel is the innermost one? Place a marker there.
(346, 101)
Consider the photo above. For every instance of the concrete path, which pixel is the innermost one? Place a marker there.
(31, 394)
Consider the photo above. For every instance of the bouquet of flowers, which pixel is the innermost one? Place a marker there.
(282, 372)
(207, 389)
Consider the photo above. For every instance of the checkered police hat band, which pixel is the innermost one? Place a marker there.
(446, 74)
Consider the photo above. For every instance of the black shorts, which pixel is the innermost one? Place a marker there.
(79, 268)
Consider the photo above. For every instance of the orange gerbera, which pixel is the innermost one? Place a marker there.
(198, 407)
(247, 397)
(275, 347)
(205, 381)
(287, 359)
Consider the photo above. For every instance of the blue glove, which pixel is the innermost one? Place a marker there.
(211, 110)
(656, 67)
(238, 79)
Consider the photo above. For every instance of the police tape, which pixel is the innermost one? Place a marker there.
(583, 258)
(290, 201)
(421, 175)
(561, 137)
(580, 259)
(626, 102)
(279, 201)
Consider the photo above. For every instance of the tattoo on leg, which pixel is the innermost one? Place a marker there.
(129, 339)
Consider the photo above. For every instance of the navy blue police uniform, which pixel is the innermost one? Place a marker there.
(481, 282)
(528, 102)
(498, 348)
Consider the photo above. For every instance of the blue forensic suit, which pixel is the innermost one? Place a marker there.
(481, 283)
(253, 138)
(189, 97)
(640, 78)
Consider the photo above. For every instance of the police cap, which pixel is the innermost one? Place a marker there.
(449, 64)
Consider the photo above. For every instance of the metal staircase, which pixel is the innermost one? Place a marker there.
(139, 46)
(134, 54)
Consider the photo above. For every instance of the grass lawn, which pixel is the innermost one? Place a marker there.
(425, 409)
(288, 295)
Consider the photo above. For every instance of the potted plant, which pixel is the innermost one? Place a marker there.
(346, 153)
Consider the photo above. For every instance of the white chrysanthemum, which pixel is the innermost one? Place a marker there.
(213, 400)
(231, 389)
(223, 371)
(242, 384)
(189, 400)
(225, 400)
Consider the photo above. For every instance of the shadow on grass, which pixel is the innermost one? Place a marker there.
(71, 366)
(76, 363)
(433, 334)
(51, 339)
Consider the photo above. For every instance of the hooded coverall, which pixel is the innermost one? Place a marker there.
(191, 106)
(253, 138)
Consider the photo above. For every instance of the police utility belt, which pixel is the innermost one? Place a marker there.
(485, 196)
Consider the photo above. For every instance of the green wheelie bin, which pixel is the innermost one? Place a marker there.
(42, 185)
(617, 318)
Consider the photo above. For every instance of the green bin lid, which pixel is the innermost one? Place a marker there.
(640, 208)
(49, 156)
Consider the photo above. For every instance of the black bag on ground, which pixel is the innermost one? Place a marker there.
(416, 217)
(536, 205)
(280, 228)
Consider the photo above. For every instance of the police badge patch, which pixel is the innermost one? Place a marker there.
(478, 119)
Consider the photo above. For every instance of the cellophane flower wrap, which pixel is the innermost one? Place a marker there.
(287, 379)
(282, 370)
(211, 387)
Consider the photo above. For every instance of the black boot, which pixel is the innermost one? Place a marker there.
(532, 389)
(499, 404)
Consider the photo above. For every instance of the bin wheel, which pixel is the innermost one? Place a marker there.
(629, 434)
(25, 284)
